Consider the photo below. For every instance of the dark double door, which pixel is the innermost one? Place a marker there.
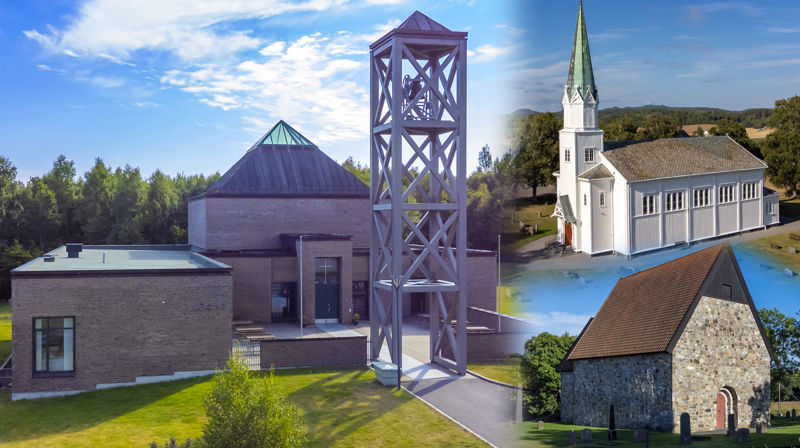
(327, 288)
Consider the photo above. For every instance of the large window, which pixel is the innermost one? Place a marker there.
(674, 200)
(648, 204)
(284, 301)
(54, 344)
(702, 197)
(727, 193)
(749, 190)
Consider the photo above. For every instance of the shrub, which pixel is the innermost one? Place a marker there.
(246, 410)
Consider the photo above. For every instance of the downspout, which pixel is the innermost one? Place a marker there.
(302, 316)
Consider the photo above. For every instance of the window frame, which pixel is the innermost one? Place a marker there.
(674, 201)
(704, 196)
(602, 199)
(48, 373)
(749, 191)
(588, 154)
(649, 205)
(566, 155)
(726, 194)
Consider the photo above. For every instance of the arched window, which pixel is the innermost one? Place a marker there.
(588, 154)
(602, 200)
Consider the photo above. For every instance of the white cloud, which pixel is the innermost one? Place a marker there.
(557, 322)
(488, 52)
(115, 29)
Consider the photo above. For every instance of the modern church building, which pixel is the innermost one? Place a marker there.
(629, 197)
(285, 229)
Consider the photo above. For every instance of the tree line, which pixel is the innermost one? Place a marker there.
(105, 206)
(535, 144)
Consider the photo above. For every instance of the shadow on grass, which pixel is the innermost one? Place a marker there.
(338, 404)
(28, 419)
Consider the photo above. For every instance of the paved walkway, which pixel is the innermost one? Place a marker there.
(485, 408)
(535, 257)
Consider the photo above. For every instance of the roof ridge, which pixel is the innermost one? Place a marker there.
(719, 248)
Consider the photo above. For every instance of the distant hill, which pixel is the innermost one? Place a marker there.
(751, 118)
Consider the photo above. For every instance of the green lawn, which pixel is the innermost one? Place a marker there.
(5, 332)
(783, 433)
(782, 255)
(346, 408)
(505, 370)
(525, 210)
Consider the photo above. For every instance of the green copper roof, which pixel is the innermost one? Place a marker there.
(581, 77)
(283, 134)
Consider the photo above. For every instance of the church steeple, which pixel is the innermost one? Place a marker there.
(581, 77)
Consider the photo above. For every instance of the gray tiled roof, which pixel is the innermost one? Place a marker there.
(598, 172)
(671, 157)
(295, 170)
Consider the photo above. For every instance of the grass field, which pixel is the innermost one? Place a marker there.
(340, 408)
(782, 255)
(783, 433)
(5, 331)
(505, 371)
(527, 211)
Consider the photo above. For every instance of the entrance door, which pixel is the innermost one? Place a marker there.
(326, 290)
(721, 409)
(567, 233)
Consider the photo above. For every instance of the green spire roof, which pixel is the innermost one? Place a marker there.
(283, 134)
(581, 77)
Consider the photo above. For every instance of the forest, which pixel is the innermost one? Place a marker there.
(104, 206)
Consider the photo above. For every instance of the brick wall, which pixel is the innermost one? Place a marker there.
(125, 326)
(251, 287)
(314, 352)
(720, 347)
(490, 346)
(233, 223)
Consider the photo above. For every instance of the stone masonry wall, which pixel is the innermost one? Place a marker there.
(125, 326)
(639, 387)
(720, 347)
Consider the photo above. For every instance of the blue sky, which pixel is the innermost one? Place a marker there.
(733, 54)
(188, 85)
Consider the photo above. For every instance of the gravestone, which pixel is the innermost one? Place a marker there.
(686, 430)
(640, 435)
(742, 435)
(521, 225)
(760, 428)
(572, 440)
(537, 228)
(794, 414)
(731, 425)
(540, 213)
(586, 435)
(774, 246)
(792, 250)
(787, 414)
(612, 426)
(540, 424)
(531, 230)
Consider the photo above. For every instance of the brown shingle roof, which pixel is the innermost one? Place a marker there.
(671, 157)
(645, 309)
(598, 172)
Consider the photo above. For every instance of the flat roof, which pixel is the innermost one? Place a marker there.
(124, 258)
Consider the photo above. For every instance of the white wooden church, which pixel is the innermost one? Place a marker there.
(629, 197)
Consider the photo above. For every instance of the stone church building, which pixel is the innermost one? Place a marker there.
(680, 337)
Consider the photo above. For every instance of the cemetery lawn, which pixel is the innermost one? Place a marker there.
(339, 408)
(504, 370)
(5, 331)
(780, 256)
(789, 207)
(783, 433)
(525, 210)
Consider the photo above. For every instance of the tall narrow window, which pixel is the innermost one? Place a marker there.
(648, 204)
(566, 154)
(588, 154)
(701, 197)
(584, 199)
(749, 190)
(726, 194)
(675, 200)
(602, 200)
(54, 344)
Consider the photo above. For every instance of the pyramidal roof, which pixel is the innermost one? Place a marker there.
(581, 77)
(284, 163)
(419, 25)
(283, 134)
